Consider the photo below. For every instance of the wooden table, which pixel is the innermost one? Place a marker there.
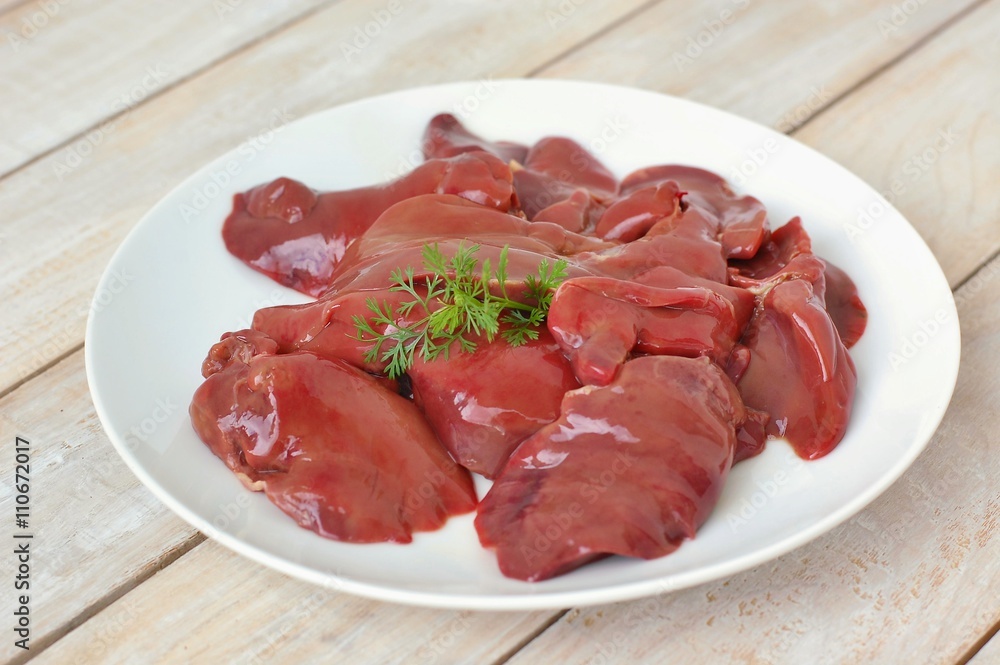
(94, 95)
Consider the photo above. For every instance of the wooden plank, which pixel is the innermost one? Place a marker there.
(71, 66)
(53, 254)
(773, 62)
(914, 578)
(213, 606)
(989, 654)
(95, 528)
(923, 133)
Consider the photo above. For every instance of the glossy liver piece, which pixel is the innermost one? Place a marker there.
(339, 453)
(632, 468)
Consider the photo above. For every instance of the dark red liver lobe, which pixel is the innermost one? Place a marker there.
(445, 136)
(632, 468)
(558, 170)
(787, 254)
(341, 454)
(599, 322)
(798, 370)
(844, 304)
(483, 404)
(743, 219)
(326, 327)
(298, 237)
(569, 162)
(687, 241)
(397, 240)
(579, 212)
(633, 215)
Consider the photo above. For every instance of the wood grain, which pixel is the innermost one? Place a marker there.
(914, 578)
(73, 66)
(54, 253)
(776, 63)
(213, 606)
(924, 133)
(96, 529)
(989, 654)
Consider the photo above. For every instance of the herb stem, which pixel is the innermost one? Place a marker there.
(463, 307)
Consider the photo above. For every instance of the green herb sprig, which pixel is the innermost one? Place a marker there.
(455, 304)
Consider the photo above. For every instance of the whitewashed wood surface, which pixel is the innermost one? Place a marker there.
(95, 94)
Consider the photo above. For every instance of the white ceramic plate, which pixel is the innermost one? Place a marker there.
(172, 289)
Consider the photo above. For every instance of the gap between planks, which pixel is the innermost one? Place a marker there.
(583, 43)
(968, 278)
(542, 627)
(41, 370)
(105, 601)
(978, 646)
(194, 73)
(886, 66)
